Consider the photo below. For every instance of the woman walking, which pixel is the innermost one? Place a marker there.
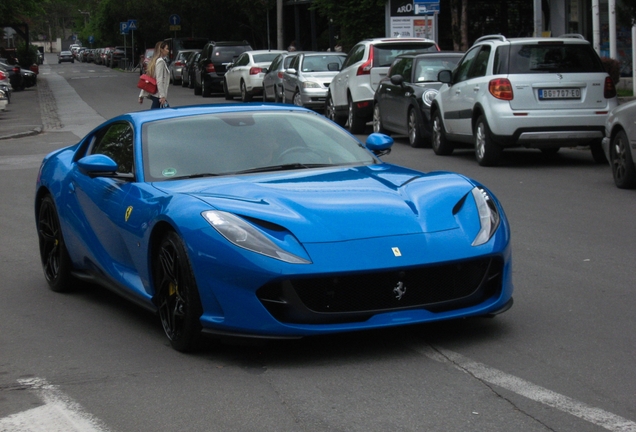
(158, 69)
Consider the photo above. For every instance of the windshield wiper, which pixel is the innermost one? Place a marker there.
(281, 168)
(192, 176)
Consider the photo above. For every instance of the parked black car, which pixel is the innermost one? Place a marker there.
(118, 53)
(211, 67)
(15, 75)
(188, 69)
(402, 102)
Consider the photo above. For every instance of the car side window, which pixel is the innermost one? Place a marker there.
(116, 142)
(461, 73)
(294, 63)
(275, 64)
(355, 55)
(243, 60)
(480, 64)
(397, 67)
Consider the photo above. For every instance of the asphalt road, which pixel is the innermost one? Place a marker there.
(562, 359)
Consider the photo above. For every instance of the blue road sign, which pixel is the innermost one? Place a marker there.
(132, 24)
(123, 27)
(91, 39)
(174, 19)
(426, 6)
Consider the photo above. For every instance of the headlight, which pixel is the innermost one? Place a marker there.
(311, 84)
(428, 96)
(488, 216)
(244, 235)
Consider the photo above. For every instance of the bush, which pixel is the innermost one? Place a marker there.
(613, 68)
(27, 55)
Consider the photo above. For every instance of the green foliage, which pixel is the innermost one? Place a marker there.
(17, 11)
(27, 55)
(613, 68)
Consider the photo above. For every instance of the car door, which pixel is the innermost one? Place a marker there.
(270, 77)
(456, 100)
(290, 77)
(234, 74)
(102, 199)
(398, 96)
(338, 86)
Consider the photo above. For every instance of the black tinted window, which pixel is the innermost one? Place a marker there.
(549, 58)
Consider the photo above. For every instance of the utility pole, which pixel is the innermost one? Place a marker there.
(279, 25)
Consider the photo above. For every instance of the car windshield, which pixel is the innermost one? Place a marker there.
(550, 58)
(320, 63)
(231, 143)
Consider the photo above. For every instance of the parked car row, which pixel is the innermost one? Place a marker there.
(109, 56)
(18, 77)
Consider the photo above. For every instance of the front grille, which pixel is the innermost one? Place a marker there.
(357, 297)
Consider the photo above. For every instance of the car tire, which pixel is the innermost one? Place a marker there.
(354, 123)
(414, 125)
(245, 95)
(197, 89)
(487, 152)
(206, 91)
(276, 97)
(56, 261)
(377, 120)
(297, 99)
(184, 83)
(598, 154)
(228, 96)
(622, 162)
(439, 142)
(177, 297)
(330, 111)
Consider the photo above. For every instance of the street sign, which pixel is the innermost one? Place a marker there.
(426, 7)
(174, 20)
(91, 39)
(175, 27)
(123, 28)
(132, 24)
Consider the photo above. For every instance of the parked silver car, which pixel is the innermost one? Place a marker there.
(306, 81)
(273, 79)
(177, 65)
(619, 144)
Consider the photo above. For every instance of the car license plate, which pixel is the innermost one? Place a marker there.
(560, 93)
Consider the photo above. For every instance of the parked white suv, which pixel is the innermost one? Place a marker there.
(543, 93)
(351, 92)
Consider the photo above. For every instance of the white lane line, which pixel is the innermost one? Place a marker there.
(58, 414)
(531, 391)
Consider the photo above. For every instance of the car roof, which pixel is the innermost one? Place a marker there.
(433, 54)
(397, 40)
(573, 38)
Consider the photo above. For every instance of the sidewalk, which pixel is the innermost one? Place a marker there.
(23, 115)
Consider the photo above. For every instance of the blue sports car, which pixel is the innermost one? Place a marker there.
(267, 221)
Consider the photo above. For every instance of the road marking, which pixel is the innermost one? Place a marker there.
(58, 414)
(531, 391)
(21, 162)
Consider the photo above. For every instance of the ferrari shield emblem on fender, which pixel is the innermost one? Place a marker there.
(396, 252)
(128, 212)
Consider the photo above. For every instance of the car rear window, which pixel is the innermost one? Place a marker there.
(550, 58)
(227, 53)
(261, 58)
(384, 54)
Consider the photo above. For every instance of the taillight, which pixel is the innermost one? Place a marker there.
(178, 63)
(280, 75)
(254, 70)
(365, 68)
(16, 70)
(2, 75)
(610, 90)
(501, 88)
(209, 68)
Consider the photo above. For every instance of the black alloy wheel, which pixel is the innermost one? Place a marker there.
(56, 262)
(439, 142)
(177, 295)
(414, 127)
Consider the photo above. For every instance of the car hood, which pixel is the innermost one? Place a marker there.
(326, 205)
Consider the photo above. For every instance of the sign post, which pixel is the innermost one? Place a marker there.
(123, 29)
(132, 26)
(175, 23)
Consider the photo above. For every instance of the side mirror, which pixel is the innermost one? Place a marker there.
(333, 67)
(292, 71)
(445, 76)
(397, 79)
(379, 144)
(97, 165)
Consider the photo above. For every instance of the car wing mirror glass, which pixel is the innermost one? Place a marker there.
(334, 67)
(445, 76)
